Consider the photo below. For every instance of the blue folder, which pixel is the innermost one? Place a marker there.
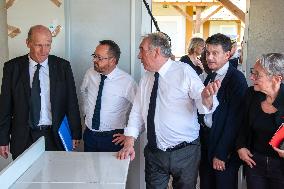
(65, 135)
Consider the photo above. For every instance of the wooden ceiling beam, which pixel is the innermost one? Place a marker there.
(197, 4)
(198, 20)
(233, 9)
(211, 14)
(187, 16)
(9, 3)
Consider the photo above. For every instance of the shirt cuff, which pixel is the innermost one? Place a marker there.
(205, 110)
(131, 131)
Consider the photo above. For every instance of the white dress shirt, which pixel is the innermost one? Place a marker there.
(221, 73)
(117, 98)
(178, 98)
(45, 111)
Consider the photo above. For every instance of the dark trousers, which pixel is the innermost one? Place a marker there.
(50, 144)
(35, 134)
(214, 179)
(267, 174)
(181, 164)
(100, 141)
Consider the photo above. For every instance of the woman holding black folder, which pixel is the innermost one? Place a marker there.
(263, 114)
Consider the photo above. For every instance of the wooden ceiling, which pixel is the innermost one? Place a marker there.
(235, 10)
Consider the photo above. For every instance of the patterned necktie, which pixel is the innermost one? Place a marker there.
(151, 135)
(97, 111)
(35, 100)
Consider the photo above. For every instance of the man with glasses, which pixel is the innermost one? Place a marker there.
(166, 106)
(108, 94)
(219, 162)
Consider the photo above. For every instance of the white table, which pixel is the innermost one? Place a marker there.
(70, 170)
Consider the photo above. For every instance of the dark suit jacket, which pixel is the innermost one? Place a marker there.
(226, 118)
(234, 62)
(14, 102)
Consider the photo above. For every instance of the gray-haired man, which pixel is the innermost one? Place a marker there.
(167, 100)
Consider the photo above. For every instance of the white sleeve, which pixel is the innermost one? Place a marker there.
(131, 91)
(195, 89)
(136, 123)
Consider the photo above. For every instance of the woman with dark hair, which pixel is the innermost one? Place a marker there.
(263, 114)
(195, 49)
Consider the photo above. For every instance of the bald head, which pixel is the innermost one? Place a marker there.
(38, 29)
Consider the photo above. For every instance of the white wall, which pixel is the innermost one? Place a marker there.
(225, 27)
(26, 13)
(266, 28)
(174, 26)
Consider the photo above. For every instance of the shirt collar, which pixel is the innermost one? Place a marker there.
(34, 63)
(163, 70)
(223, 70)
(113, 73)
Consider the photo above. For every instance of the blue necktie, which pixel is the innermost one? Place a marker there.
(151, 134)
(97, 111)
(35, 100)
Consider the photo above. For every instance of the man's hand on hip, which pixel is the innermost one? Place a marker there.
(76, 143)
(127, 150)
(4, 150)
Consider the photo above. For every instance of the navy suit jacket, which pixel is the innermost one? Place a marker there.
(227, 116)
(15, 96)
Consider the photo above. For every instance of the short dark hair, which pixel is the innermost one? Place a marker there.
(220, 39)
(114, 49)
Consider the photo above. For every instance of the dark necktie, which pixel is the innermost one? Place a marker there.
(35, 101)
(210, 78)
(151, 134)
(97, 111)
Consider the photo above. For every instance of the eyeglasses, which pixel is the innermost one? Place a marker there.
(256, 75)
(98, 58)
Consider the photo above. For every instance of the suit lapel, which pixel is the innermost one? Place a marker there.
(52, 78)
(224, 84)
(222, 92)
(25, 76)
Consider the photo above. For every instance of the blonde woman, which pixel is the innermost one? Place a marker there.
(195, 49)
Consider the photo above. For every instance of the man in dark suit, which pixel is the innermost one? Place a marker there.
(37, 91)
(219, 162)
